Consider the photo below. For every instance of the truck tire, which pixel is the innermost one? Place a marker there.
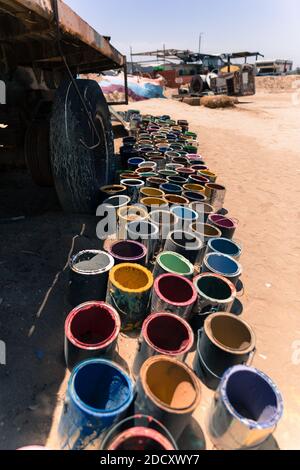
(197, 85)
(80, 167)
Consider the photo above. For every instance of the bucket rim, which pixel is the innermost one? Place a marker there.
(95, 411)
(157, 291)
(249, 422)
(175, 354)
(221, 346)
(211, 299)
(231, 242)
(139, 431)
(128, 242)
(103, 344)
(198, 240)
(178, 256)
(239, 271)
(138, 267)
(159, 403)
(92, 272)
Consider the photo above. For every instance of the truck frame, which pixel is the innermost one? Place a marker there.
(59, 124)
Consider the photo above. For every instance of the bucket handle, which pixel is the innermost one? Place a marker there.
(251, 358)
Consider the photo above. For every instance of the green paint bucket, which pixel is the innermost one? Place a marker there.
(169, 262)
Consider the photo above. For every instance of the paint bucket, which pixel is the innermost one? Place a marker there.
(179, 180)
(174, 200)
(148, 164)
(159, 160)
(225, 341)
(145, 176)
(91, 330)
(166, 334)
(128, 174)
(167, 173)
(133, 163)
(144, 170)
(112, 190)
(186, 172)
(225, 246)
(215, 294)
(88, 276)
(225, 224)
(151, 192)
(185, 216)
(191, 149)
(152, 203)
(114, 203)
(205, 231)
(99, 394)
(173, 263)
(155, 182)
(139, 433)
(185, 243)
(245, 411)
(165, 221)
(169, 391)
(133, 187)
(146, 233)
(127, 251)
(224, 265)
(169, 155)
(173, 166)
(128, 292)
(129, 214)
(175, 294)
(194, 197)
(208, 174)
(216, 195)
(169, 188)
(195, 188)
(180, 161)
(197, 179)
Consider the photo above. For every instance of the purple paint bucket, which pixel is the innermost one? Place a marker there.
(127, 251)
(225, 224)
(175, 294)
(250, 406)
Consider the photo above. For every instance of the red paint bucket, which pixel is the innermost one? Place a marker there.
(225, 224)
(140, 432)
(164, 333)
(91, 330)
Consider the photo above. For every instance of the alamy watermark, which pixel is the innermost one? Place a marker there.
(2, 92)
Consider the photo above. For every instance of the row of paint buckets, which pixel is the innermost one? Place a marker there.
(100, 393)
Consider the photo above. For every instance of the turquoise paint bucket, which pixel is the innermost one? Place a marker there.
(99, 395)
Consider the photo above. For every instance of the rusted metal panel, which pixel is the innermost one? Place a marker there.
(31, 20)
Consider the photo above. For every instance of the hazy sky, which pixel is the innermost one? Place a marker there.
(269, 26)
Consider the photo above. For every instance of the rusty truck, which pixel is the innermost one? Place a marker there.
(59, 124)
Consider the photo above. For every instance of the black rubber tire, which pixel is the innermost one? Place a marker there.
(79, 172)
(197, 85)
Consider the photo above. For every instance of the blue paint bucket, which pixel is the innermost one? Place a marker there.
(225, 247)
(246, 410)
(169, 188)
(185, 216)
(223, 265)
(99, 395)
(133, 163)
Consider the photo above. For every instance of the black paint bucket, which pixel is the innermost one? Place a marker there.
(224, 341)
(89, 272)
(91, 331)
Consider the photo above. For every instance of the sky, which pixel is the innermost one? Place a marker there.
(271, 27)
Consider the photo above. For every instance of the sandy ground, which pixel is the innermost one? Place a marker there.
(255, 150)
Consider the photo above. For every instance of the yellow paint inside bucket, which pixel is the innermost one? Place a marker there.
(131, 278)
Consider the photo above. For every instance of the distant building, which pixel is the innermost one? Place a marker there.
(274, 67)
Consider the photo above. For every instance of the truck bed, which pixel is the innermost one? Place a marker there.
(28, 38)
